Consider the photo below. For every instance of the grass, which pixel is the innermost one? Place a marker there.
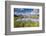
(24, 23)
(34, 16)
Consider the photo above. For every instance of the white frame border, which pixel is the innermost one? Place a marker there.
(26, 28)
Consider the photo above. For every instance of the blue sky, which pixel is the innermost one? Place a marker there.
(23, 10)
(19, 11)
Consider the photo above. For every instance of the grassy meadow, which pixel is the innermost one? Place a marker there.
(25, 23)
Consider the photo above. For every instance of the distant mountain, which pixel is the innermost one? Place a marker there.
(16, 15)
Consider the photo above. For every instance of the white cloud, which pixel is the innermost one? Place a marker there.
(34, 12)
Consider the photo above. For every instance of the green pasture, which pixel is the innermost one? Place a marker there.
(24, 23)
